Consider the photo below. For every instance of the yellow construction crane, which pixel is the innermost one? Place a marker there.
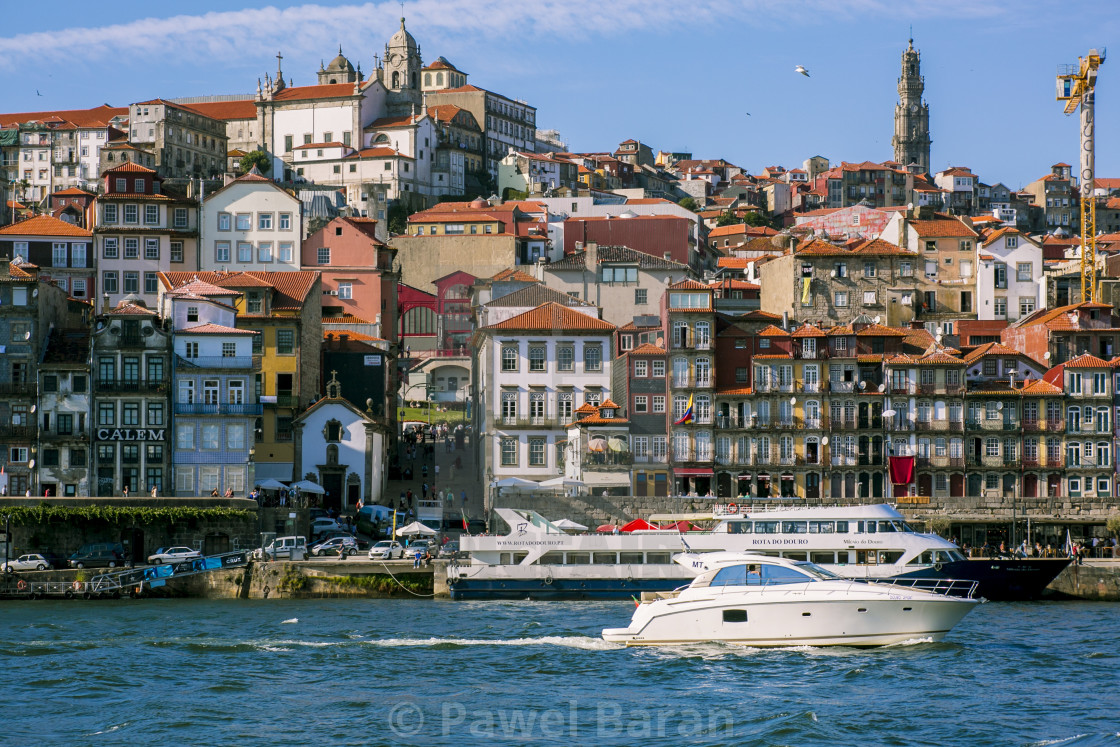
(1076, 86)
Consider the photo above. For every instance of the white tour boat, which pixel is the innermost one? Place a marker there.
(537, 559)
(759, 600)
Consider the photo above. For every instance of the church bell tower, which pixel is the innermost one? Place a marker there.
(911, 115)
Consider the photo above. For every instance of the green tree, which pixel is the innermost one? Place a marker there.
(728, 219)
(689, 203)
(758, 219)
(398, 218)
(257, 158)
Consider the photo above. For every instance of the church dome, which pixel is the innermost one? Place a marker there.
(402, 38)
(340, 64)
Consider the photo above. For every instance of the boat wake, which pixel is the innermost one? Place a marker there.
(290, 621)
(585, 643)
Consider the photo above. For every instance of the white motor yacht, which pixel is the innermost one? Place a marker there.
(758, 600)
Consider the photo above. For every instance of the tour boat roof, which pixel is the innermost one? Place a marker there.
(723, 511)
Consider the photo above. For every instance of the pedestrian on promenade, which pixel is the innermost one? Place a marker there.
(416, 559)
(437, 473)
(124, 490)
(439, 495)
(463, 496)
(408, 495)
(425, 494)
(155, 491)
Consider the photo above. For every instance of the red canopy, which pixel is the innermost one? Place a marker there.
(680, 526)
(637, 525)
(606, 528)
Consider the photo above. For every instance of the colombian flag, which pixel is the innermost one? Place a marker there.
(687, 417)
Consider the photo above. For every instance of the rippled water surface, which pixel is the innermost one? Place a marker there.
(439, 673)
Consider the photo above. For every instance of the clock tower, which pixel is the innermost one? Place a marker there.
(911, 116)
(402, 73)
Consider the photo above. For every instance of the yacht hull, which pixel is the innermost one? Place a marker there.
(1002, 580)
(797, 622)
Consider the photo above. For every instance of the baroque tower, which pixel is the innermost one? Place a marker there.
(911, 115)
(402, 73)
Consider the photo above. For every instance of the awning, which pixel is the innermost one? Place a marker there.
(281, 471)
(690, 471)
(605, 479)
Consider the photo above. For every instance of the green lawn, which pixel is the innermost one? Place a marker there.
(421, 413)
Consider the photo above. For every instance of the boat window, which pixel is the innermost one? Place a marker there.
(630, 558)
(926, 558)
(822, 557)
(766, 527)
(890, 556)
(907, 528)
(942, 556)
(737, 575)
(519, 557)
(888, 526)
(778, 574)
(738, 527)
(815, 569)
(867, 557)
(552, 558)
(842, 527)
(794, 527)
(869, 527)
(956, 555)
(734, 616)
(504, 558)
(579, 558)
(843, 558)
(821, 527)
(792, 555)
(659, 558)
(605, 558)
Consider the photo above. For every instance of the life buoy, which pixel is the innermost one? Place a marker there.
(21, 584)
(937, 566)
(77, 585)
(732, 508)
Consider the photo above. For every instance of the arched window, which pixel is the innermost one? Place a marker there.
(396, 79)
(419, 321)
(428, 79)
(439, 79)
(415, 77)
(382, 138)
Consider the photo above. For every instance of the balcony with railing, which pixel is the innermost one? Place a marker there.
(903, 387)
(810, 387)
(17, 389)
(843, 424)
(939, 425)
(129, 386)
(18, 432)
(1041, 461)
(247, 362)
(693, 454)
(1038, 425)
(692, 381)
(991, 424)
(279, 400)
(940, 462)
(842, 387)
(607, 461)
(54, 434)
(223, 408)
(527, 421)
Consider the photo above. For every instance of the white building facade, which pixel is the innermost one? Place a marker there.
(1009, 276)
(251, 224)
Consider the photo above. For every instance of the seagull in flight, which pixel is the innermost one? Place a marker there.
(37, 92)
(801, 69)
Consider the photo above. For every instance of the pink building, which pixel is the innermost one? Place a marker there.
(357, 271)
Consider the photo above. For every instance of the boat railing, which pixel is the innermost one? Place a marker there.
(950, 587)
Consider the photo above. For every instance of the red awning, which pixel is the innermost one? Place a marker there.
(688, 471)
(637, 525)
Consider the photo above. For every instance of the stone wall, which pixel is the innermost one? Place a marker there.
(1095, 580)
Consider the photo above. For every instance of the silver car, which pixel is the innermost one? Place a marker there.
(29, 562)
(386, 550)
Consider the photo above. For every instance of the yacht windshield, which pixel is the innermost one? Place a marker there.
(816, 570)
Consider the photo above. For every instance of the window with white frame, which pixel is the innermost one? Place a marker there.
(132, 248)
(131, 214)
(509, 452)
(151, 215)
(58, 254)
(221, 251)
(839, 298)
(244, 222)
(285, 222)
(244, 251)
(224, 221)
(264, 221)
(323, 255)
(536, 358)
(284, 252)
(641, 403)
(592, 357)
(151, 249)
(264, 252)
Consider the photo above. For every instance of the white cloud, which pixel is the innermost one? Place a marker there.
(314, 29)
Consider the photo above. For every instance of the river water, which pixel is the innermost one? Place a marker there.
(439, 673)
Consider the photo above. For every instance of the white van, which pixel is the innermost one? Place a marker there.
(289, 548)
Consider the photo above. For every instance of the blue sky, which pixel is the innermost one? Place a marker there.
(676, 75)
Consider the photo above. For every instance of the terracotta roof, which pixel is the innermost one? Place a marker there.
(808, 330)
(919, 338)
(878, 330)
(336, 334)
(96, 117)
(736, 391)
(598, 420)
(202, 289)
(989, 348)
(553, 317)
(442, 64)
(773, 331)
(871, 357)
(575, 261)
(72, 192)
(996, 234)
(226, 110)
(647, 348)
(44, 225)
(128, 308)
(878, 246)
(532, 296)
(735, 263)
(587, 407)
(608, 403)
(689, 284)
(244, 280)
(129, 168)
(346, 318)
(309, 146)
(732, 284)
(389, 123)
(843, 329)
(942, 226)
(610, 253)
(1087, 361)
(379, 152)
(511, 274)
(940, 358)
(325, 91)
(215, 329)
(291, 288)
(774, 356)
(1040, 387)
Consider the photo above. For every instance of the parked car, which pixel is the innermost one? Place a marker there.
(30, 562)
(173, 555)
(316, 513)
(420, 546)
(323, 524)
(97, 559)
(386, 550)
(450, 550)
(336, 545)
(285, 547)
